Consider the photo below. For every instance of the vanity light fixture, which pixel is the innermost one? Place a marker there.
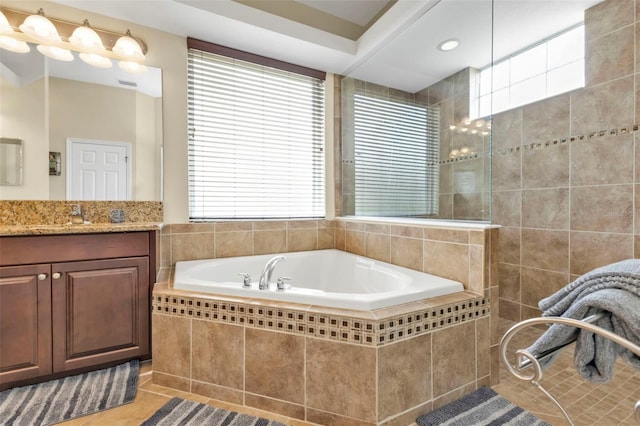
(7, 41)
(56, 39)
(448, 45)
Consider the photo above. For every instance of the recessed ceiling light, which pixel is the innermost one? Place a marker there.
(448, 45)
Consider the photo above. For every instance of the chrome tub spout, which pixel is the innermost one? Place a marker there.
(265, 277)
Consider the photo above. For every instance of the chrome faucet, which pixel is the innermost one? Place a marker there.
(265, 277)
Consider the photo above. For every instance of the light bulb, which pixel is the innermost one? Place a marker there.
(55, 53)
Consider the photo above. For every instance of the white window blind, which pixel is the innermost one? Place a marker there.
(396, 158)
(256, 140)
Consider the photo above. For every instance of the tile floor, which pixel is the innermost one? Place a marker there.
(610, 404)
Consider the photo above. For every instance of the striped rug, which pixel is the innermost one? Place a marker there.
(70, 397)
(189, 413)
(483, 407)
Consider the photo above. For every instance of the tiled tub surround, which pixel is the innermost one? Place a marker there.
(325, 365)
(322, 365)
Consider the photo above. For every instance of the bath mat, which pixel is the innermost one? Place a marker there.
(481, 408)
(190, 413)
(70, 397)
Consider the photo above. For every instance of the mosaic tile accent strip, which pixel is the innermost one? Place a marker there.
(320, 325)
(634, 128)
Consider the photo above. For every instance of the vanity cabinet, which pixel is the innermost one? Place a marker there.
(70, 303)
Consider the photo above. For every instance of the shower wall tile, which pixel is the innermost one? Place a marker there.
(454, 352)
(407, 363)
(478, 270)
(483, 357)
(545, 167)
(605, 106)
(275, 365)
(545, 249)
(542, 121)
(445, 204)
(217, 354)
(545, 208)
(608, 16)
(406, 231)
(506, 129)
(506, 207)
(605, 161)
(602, 208)
(590, 250)
(538, 284)
(509, 245)
(340, 379)
(509, 282)
(506, 172)
(610, 56)
(510, 310)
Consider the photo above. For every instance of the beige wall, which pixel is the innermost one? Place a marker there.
(566, 170)
(22, 116)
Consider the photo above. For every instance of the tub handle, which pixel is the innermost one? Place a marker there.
(280, 282)
(246, 281)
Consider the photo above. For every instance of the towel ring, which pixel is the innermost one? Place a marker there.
(530, 359)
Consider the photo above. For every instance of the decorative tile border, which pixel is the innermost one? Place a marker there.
(324, 326)
(634, 128)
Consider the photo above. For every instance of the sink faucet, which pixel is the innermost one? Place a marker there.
(76, 214)
(265, 277)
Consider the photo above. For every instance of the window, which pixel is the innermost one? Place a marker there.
(396, 158)
(256, 138)
(547, 69)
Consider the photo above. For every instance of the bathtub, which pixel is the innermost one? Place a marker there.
(330, 278)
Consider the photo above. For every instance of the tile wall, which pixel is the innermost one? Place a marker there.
(566, 170)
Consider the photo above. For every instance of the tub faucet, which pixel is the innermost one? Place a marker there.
(265, 277)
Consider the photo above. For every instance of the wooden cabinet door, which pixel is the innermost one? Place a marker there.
(25, 322)
(100, 312)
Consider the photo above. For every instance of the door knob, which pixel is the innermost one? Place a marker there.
(42, 277)
(56, 275)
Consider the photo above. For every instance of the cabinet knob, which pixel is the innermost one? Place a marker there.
(56, 275)
(42, 277)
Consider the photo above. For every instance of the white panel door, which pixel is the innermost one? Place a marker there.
(98, 170)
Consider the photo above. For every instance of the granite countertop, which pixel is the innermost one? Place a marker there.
(86, 228)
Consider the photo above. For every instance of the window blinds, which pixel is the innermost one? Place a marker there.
(256, 140)
(396, 158)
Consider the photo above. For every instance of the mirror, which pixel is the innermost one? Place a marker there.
(10, 162)
(48, 103)
(411, 73)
